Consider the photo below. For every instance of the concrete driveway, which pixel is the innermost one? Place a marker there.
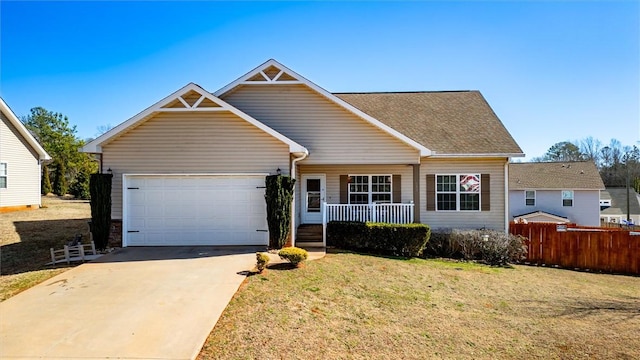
(135, 303)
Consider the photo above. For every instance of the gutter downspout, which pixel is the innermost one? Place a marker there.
(293, 206)
(506, 196)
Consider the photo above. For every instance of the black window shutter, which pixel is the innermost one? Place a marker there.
(485, 192)
(431, 192)
(396, 197)
(344, 189)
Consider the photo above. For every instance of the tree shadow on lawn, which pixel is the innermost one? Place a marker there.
(624, 309)
(32, 252)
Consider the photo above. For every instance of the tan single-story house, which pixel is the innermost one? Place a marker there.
(190, 169)
(568, 190)
(21, 158)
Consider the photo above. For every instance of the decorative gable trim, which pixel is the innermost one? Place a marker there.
(274, 73)
(190, 98)
(13, 119)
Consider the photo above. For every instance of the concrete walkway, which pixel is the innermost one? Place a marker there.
(135, 303)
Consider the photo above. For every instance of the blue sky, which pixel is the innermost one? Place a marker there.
(552, 71)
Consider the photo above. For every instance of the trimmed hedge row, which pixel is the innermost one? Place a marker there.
(406, 240)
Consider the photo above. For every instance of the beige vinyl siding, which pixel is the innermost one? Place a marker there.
(23, 169)
(333, 172)
(192, 142)
(332, 134)
(493, 219)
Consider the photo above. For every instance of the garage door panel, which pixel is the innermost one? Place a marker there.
(196, 210)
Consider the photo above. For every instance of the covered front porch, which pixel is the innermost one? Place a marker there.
(375, 193)
(314, 235)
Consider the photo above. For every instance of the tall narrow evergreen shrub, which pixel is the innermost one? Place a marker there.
(60, 185)
(46, 181)
(100, 189)
(279, 195)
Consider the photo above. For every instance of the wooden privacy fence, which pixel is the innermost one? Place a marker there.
(587, 248)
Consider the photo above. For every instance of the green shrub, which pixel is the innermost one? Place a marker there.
(100, 191)
(293, 255)
(46, 181)
(80, 187)
(345, 234)
(60, 186)
(406, 240)
(278, 196)
(262, 260)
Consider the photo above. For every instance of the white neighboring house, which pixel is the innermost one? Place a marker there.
(21, 158)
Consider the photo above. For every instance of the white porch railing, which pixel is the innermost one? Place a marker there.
(387, 213)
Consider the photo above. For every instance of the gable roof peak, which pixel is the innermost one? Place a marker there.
(191, 97)
(264, 74)
(24, 132)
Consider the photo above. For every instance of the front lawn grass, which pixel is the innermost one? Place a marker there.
(351, 306)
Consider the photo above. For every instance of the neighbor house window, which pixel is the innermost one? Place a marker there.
(3, 175)
(458, 192)
(368, 189)
(530, 198)
(567, 197)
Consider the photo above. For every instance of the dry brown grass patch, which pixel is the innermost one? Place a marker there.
(27, 236)
(366, 307)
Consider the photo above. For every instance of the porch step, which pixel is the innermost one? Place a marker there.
(309, 233)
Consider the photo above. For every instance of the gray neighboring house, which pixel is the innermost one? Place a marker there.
(569, 190)
(615, 211)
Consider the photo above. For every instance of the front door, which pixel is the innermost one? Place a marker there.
(313, 194)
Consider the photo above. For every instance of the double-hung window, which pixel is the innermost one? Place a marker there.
(458, 192)
(567, 197)
(369, 189)
(3, 175)
(530, 198)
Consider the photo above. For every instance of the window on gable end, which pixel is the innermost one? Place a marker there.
(567, 197)
(530, 198)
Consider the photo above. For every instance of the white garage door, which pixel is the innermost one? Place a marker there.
(195, 210)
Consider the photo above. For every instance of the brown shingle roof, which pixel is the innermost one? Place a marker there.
(618, 198)
(447, 122)
(554, 175)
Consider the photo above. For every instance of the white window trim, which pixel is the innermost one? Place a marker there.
(573, 198)
(526, 198)
(370, 192)
(6, 175)
(458, 192)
